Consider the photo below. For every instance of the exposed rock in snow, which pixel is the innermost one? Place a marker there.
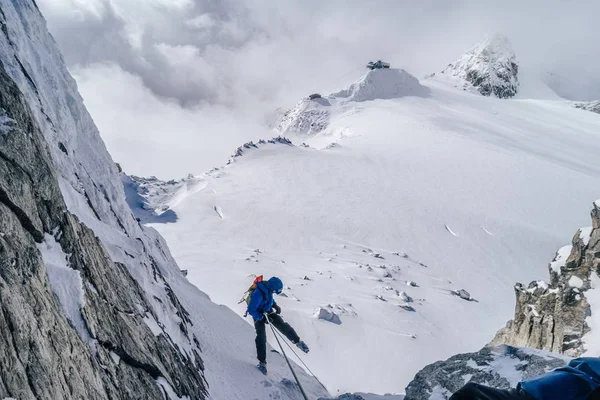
(560, 258)
(251, 145)
(463, 294)
(405, 297)
(593, 106)
(501, 367)
(327, 315)
(383, 84)
(307, 117)
(490, 67)
(553, 317)
(407, 307)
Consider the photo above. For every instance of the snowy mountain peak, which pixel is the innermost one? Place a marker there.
(490, 67)
(496, 44)
(387, 83)
(311, 115)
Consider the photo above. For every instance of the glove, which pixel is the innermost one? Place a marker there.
(276, 308)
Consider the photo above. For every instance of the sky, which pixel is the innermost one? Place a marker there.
(176, 85)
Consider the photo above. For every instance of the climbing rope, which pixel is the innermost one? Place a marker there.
(300, 359)
(287, 360)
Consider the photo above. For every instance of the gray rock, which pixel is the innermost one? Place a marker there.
(593, 106)
(43, 355)
(553, 316)
(327, 315)
(463, 294)
(490, 67)
(500, 367)
(405, 297)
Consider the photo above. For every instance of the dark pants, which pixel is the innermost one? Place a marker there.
(261, 334)
(474, 391)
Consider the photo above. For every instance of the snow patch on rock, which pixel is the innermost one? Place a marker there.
(6, 124)
(585, 234)
(66, 284)
(560, 258)
(575, 282)
(591, 340)
(593, 106)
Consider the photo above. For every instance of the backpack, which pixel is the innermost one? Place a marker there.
(248, 293)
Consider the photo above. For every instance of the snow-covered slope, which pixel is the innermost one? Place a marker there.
(490, 67)
(397, 204)
(311, 115)
(388, 83)
(112, 282)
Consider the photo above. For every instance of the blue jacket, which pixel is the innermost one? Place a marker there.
(261, 300)
(574, 382)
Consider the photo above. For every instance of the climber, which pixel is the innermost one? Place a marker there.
(264, 310)
(580, 380)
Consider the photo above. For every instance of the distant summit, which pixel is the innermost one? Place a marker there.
(311, 115)
(384, 83)
(490, 67)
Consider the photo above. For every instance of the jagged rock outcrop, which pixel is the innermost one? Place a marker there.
(553, 316)
(490, 67)
(75, 322)
(593, 106)
(500, 367)
(45, 355)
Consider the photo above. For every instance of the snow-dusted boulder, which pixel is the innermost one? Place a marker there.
(327, 315)
(405, 297)
(490, 67)
(501, 367)
(562, 316)
(385, 83)
(463, 294)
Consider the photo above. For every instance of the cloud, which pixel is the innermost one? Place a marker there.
(249, 57)
(149, 135)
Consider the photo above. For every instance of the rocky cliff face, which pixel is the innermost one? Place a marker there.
(549, 317)
(553, 316)
(490, 67)
(501, 367)
(75, 320)
(46, 352)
